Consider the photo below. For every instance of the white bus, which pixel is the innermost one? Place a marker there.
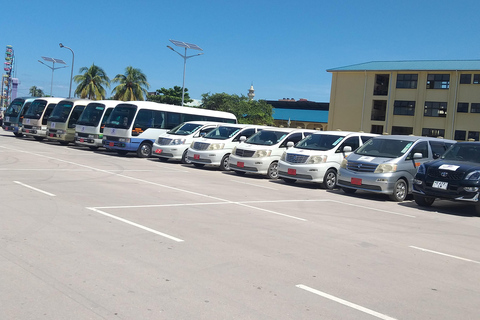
(35, 119)
(135, 125)
(89, 127)
(14, 115)
(62, 120)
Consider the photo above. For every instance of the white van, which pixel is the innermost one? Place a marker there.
(260, 153)
(215, 148)
(174, 143)
(317, 158)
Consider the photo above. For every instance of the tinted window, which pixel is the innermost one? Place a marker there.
(421, 147)
(295, 137)
(247, 133)
(352, 142)
(438, 147)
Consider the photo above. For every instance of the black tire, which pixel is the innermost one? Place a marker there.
(38, 138)
(330, 179)
(199, 165)
(423, 201)
(400, 190)
(349, 190)
(145, 150)
(272, 172)
(18, 134)
(122, 152)
(225, 164)
(477, 209)
(240, 173)
(289, 181)
(185, 158)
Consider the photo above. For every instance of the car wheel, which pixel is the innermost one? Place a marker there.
(199, 165)
(18, 134)
(423, 201)
(330, 179)
(145, 150)
(272, 172)
(289, 181)
(225, 164)
(349, 190)
(185, 158)
(400, 191)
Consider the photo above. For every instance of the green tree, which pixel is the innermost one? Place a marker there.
(246, 111)
(36, 92)
(91, 83)
(132, 86)
(170, 96)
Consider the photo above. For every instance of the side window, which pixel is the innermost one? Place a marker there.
(47, 113)
(204, 131)
(293, 137)
(352, 142)
(246, 133)
(173, 120)
(142, 121)
(158, 120)
(365, 138)
(438, 148)
(421, 147)
(104, 119)
(77, 111)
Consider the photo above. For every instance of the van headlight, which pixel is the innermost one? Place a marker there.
(284, 156)
(474, 175)
(262, 153)
(421, 169)
(316, 159)
(124, 140)
(344, 164)
(386, 168)
(176, 142)
(234, 151)
(216, 146)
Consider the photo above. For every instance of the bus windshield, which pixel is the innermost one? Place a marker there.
(320, 142)
(222, 133)
(36, 109)
(61, 112)
(122, 116)
(267, 137)
(92, 115)
(13, 109)
(185, 129)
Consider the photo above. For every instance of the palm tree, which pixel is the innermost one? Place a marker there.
(133, 85)
(91, 83)
(36, 92)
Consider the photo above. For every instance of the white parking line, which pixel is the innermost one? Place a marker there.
(36, 189)
(344, 302)
(252, 184)
(137, 225)
(444, 254)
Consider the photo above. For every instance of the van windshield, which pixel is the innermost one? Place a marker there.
(14, 108)
(223, 133)
(92, 114)
(61, 112)
(36, 109)
(320, 142)
(386, 148)
(266, 137)
(121, 116)
(185, 129)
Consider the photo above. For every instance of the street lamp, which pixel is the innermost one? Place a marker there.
(52, 60)
(185, 57)
(71, 73)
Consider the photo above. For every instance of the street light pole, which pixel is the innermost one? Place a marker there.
(52, 60)
(71, 73)
(185, 57)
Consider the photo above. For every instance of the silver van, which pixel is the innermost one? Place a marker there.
(387, 164)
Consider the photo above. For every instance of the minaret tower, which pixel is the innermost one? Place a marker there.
(251, 93)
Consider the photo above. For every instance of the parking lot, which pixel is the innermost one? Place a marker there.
(94, 235)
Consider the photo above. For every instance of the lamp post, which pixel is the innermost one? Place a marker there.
(185, 57)
(71, 73)
(52, 60)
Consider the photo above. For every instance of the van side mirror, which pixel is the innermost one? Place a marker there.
(202, 134)
(417, 155)
(290, 144)
(347, 149)
(243, 138)
(436, 155)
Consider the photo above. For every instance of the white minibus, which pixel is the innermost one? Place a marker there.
(135, 125)
(13, 116)
(89, 127)
(35, 119)
(62, 120)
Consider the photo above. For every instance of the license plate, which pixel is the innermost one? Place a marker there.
(196, 156)
(240, 164)
(52, 135)
(440, 185)
(356, 181)
(292, 172)
(158, 151)
(111, 144)
(27, 131)
(81, 140)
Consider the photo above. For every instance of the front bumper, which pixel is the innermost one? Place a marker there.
(303, 172)
(373, 182)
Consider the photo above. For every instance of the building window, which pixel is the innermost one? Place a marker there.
(473, 135)
(476, 78)
(460, 135)
(438, 81)
(406, 108)
(379, 109)
(402, 130)
(435, 109)
(465, 78)
(428, 132)
(462, 107)
(407, 81)
(475, 108)
(381, 85)
(376, 129)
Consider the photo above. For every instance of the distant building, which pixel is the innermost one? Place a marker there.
(423, 98)
(300, 114)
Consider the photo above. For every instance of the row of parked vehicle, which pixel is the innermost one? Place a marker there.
(396, 165)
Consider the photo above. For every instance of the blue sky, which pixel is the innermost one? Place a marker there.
(283, 47)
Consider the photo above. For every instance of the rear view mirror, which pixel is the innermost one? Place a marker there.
(347, 149)
(243, 138)
(290, 144)
(417, 155)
